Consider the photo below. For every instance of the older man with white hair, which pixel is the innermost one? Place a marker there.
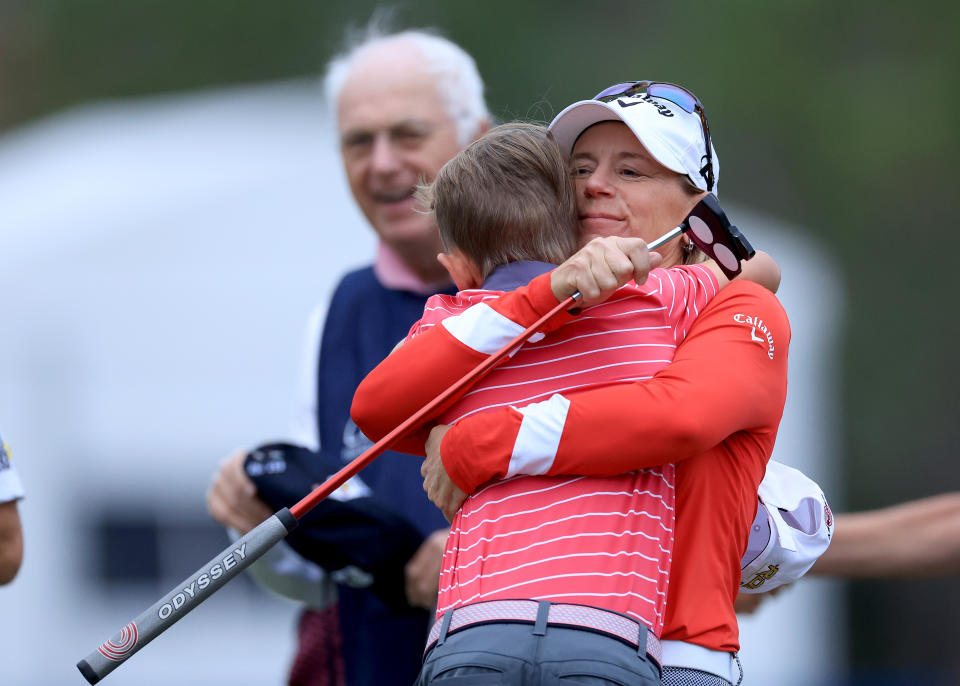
(404, 103)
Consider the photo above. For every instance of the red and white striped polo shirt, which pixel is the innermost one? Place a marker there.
(600, 541)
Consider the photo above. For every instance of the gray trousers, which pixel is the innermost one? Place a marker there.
(510, 653)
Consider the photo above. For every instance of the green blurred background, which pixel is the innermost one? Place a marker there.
(838, 117)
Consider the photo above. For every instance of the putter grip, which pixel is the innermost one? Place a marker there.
(185, 596)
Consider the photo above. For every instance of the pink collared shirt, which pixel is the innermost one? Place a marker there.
(393, 273)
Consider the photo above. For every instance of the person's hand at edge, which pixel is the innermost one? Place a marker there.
(232, 496)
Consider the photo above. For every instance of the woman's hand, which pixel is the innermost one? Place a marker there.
(436, 482)
(601, 267)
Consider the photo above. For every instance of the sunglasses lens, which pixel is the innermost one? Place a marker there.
(614, 90)
(678, 96)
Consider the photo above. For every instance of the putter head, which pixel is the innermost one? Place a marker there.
(711, 231)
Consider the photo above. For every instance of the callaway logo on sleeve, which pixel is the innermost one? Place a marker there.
(758, 331)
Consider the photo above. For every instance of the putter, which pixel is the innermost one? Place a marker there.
(709, 229)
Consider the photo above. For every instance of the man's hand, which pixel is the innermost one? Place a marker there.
(601, 267)
(439, 487)
(423, 571)
(232, 497)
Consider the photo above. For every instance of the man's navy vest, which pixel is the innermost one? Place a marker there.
(365, 321)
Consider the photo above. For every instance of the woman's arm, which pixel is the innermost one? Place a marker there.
(760, 269)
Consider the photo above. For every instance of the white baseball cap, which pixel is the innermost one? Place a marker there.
(793, 528)
(674, 136)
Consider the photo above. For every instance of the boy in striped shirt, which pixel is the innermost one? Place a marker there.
(506, 211)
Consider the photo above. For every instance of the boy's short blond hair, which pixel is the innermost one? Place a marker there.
(508, 196)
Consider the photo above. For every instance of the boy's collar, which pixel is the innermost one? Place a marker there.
(512, 275)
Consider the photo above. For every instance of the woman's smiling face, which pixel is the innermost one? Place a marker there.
(623, 191)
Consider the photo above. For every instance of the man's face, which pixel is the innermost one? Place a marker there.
(623, 191)
(394, 130)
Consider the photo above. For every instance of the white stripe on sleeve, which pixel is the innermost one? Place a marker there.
(482, 328)
(539, 437)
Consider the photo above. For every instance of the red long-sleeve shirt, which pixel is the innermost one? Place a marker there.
(600, 541)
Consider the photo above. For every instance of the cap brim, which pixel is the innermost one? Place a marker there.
(567, 127)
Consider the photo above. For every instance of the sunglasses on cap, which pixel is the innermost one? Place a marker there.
(680, 97)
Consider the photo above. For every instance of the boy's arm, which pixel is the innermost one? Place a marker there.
(728, 375)
(761, 269)
(409, 378)
(417, 372)
(433, 359)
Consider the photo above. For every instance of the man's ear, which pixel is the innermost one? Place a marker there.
(482, 129)
(464, 271)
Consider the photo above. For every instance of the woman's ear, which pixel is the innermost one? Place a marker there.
(464, 271)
